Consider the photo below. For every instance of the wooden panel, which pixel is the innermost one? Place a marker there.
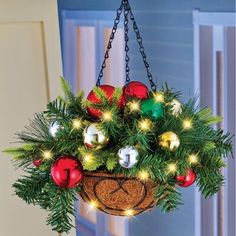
(206, 99)
(216, 62)
(114, 72)
(29, 56)
(230, 120)
(167, 35)
(164, 18)
(153, 5)
(87, 212)
(206, 65)
(166, 67)
(23, 91)
(164, 51)
(86, 58)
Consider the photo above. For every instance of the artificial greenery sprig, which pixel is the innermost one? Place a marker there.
(201, 149)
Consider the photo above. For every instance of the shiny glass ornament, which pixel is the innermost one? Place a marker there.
(169, 140)
(109, 91)
(128, 156)
(136, 89)
(186, 180)
(66, 172)
(151, 108)
(54, 127)
(176, 107)
(94, 137)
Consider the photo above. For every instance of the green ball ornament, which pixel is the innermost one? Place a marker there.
(152, 108)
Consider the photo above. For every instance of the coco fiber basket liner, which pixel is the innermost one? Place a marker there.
(115, 194)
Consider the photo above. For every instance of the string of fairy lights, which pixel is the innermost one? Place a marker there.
(144, 125)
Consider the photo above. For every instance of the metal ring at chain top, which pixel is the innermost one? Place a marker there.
(126, 29)
(109, 46)
(127, 10)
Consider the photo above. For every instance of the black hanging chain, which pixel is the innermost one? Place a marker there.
(142, 50)
(127, 11)
(126, 35)
(109, 46)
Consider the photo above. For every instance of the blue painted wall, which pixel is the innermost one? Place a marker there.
(167, 31)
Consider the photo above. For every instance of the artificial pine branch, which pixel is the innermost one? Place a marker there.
(168, 198)
(111, 162)
(22, 156)
(57, 110)
(205, 115)
(117, 95)
(29, 187)
(37, 131)
(123, 129)
(100, 94)
(61, 207)
(67, 90)
(210, 181)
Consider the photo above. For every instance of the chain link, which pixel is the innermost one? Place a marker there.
(127, 11)
(109, 46)
(142, 51)
(126, 30)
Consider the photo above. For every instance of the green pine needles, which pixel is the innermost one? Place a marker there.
(170, 142)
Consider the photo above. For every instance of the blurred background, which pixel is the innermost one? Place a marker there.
(190, 45)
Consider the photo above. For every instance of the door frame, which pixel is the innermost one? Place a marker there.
(44, 14)
(207, 209)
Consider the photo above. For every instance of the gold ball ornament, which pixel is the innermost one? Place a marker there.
(169, 140)
(176, 107)
(94, 137)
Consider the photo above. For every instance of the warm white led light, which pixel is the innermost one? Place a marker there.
(107, 116)
(193, 159)
(158, 97)
(187, 124)
(47, 154)
(171, 168)
(143, 175)
(145, 125)
(134, 106)
(93, 205)
(88, 158)
(129, 212)
(77, 124)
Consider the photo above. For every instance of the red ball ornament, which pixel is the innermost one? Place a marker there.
(109, 91)
(66, 172)
(186, 180)
(136, 89)
(37, 162)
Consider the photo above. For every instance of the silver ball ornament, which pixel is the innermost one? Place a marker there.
(128, 157)
(94, 137)
(53, 129)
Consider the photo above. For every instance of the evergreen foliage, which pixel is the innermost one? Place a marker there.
(36, 187)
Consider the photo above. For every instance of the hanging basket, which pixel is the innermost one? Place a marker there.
(115, 194)
(85, 145)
